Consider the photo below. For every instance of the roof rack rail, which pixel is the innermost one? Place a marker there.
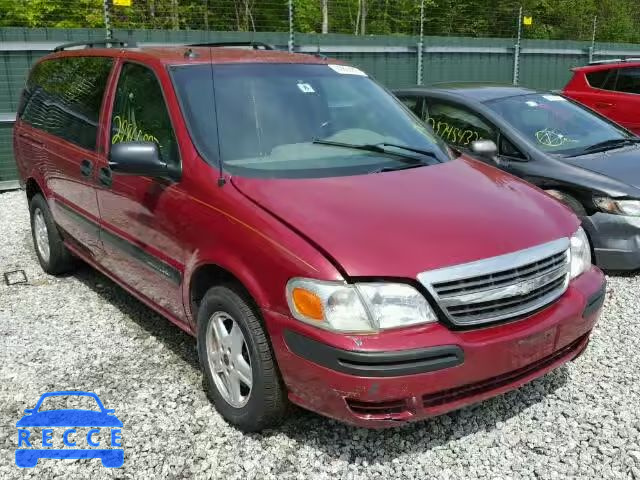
(108, 42)
(615, 60)
(253, 45)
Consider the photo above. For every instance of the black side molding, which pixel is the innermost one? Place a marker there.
(375, 364)
(87, 225)
(134, 251)
(595, 301)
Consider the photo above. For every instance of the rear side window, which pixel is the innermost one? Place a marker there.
(64, 96)
(628, 80)
(140, 113)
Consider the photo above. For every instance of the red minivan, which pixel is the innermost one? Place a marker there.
(325, 248)
(610, 87)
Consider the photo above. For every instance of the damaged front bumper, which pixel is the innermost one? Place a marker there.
(409, 374)
(615, 240)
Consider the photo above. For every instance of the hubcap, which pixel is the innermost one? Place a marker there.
(41, 235)
(229, 359)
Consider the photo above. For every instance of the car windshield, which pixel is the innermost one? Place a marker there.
(277, 120)
(556, 125)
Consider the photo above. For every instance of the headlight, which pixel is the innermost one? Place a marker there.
(363, 307)
(580, 253)
(618, 207)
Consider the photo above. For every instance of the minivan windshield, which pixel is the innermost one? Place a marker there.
(300, 120)
(557, 125)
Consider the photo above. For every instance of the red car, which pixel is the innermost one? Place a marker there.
(324, 247)
(612, 88)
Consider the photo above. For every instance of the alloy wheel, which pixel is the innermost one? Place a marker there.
(41, 235)
(229, 359)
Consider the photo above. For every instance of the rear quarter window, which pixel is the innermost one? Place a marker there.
(63, 97)
(603, 79)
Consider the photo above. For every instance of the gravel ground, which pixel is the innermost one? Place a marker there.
(83, 332)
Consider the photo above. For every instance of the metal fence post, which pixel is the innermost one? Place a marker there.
(516, 54)
(291, 42)
(107, 18)
(592, 48)
(421, 43)
(206, 15)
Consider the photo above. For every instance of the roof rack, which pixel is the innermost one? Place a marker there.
(253, 45)
(108, 42)
(615, 60)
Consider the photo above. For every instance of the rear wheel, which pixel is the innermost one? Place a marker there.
(53, 255)
(241, 377)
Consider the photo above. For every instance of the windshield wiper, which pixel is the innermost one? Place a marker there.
(384, 149)
(609, 145)
(398, 167)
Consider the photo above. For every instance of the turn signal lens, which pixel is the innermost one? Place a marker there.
(307, 303)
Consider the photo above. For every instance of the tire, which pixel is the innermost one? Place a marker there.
(252, 408)
(54, 258)
(574, 205)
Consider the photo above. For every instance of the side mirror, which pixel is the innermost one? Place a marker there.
(29, 410)
(485, 149)
(140, 158)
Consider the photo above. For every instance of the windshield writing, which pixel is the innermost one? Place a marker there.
(555, 124)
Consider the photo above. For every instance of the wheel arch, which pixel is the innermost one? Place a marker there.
(567, 195)
(32, 188)
(209, 274)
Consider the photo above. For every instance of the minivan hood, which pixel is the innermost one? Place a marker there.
(621, 164)
(398, 224)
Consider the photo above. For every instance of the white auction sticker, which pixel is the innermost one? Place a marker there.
(306, 88)
(554, 98)
(347, 70)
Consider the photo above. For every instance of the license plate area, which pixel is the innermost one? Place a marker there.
(536, 346)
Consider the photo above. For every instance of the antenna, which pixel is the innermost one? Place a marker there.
(214, 112)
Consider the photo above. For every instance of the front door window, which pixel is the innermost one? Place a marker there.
(140, 113)
(458, 126)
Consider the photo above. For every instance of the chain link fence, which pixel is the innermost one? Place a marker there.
(399, 42)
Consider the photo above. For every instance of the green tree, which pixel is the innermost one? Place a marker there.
(618, 20)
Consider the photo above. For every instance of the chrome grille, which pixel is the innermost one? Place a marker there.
(501, 288)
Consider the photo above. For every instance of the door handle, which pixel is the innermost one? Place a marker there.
(86, 168)
(105, 176)
(604, 104)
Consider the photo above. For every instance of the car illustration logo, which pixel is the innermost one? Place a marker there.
(103, 429)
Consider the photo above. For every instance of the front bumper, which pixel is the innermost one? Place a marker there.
(476, 364)
(615, 240)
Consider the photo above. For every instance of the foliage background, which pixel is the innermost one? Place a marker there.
(617, 20)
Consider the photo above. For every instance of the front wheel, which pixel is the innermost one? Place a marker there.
(241, 377)
(53, 255)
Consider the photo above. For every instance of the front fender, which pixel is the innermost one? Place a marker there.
(254, 247)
